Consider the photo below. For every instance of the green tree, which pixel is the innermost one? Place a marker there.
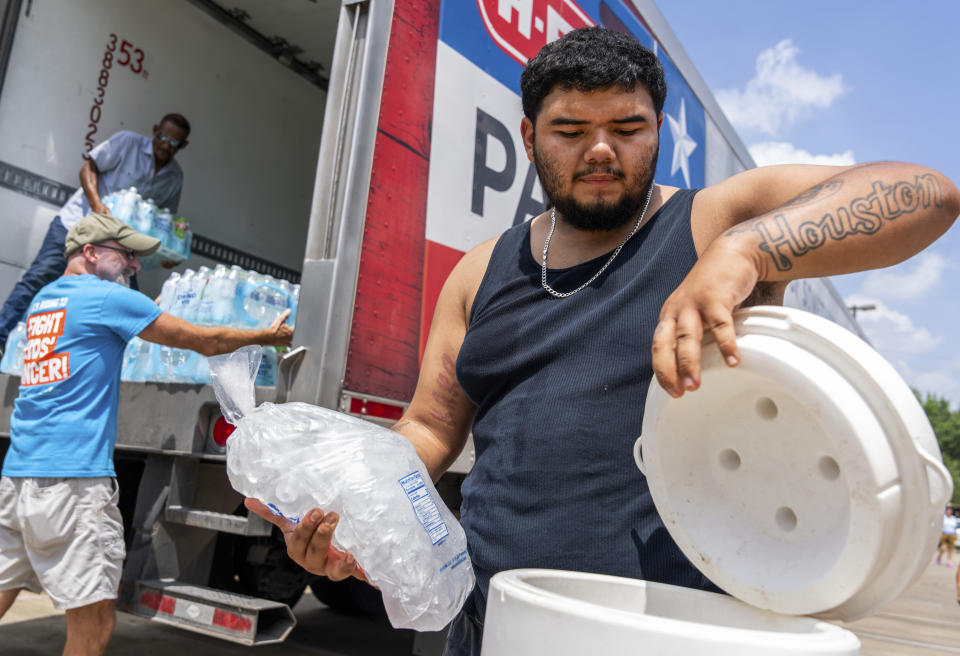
(946, 426)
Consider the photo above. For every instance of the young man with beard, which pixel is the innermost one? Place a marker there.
(60, 527)
(545, 339)
(126, 159)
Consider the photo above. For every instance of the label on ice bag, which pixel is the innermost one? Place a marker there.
(424, 506)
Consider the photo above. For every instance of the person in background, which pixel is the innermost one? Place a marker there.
(124, 160)
(948, 537)
(545, 340)
(60, 527)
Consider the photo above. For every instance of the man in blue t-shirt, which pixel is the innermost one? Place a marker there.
(124, 160)
(60, 527)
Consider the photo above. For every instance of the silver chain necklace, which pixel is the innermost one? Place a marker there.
(546, 245)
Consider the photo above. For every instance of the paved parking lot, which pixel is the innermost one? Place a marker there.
(923, 621)
(33, 628)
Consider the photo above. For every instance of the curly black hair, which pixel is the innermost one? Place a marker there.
(587, 59)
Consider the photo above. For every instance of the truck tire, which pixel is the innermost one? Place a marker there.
(258, 567)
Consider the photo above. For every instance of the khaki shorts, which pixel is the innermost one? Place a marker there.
(948, 539)
(61, 535)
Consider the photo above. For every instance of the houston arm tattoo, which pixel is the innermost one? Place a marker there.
(864, 215)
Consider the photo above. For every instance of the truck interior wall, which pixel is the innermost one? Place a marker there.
(249, 167)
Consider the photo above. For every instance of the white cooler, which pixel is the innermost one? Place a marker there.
(805, 481)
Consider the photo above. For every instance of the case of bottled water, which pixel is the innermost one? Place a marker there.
(296, 456)
(143, 215)
(230, 297)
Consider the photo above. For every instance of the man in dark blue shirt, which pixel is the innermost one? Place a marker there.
(544, 340)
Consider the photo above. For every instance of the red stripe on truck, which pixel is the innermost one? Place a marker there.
(385, 335)
(438, 262)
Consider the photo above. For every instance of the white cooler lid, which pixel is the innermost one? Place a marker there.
(807, 479)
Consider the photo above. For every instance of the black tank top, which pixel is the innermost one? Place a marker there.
(560, 385)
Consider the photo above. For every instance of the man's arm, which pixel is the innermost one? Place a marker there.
(88, 181)
(214, 340)
(859, 218)
(106, 156)
(438, 419)
(436, 423)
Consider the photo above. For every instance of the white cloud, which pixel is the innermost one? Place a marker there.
(892, 333)
(909, 348)
(941, 382)
(782, 152)
(912, 279)
(781, 92)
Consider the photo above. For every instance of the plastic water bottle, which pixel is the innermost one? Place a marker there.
(296, 456)
(145, 214)
(168, 293)
(240, 277)
(145, 361)
(267, 371)
(137, 361)
(208, 296)
(111, 201)
(255, 299)
(189, 293)
(184, 295)
(186, 361)
(223, 292)
(12, 362)
(126, 207)
(287, 288)
(199, 283)
(293, 305)
(163, 226)
(178, 237)
(276, 300)
(172, 361)
(168, 361)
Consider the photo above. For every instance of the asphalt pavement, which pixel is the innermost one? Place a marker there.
(925, 620)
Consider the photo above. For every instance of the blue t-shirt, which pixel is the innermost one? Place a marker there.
(64, 422)
(126, 160)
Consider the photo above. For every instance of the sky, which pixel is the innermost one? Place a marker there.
(843, 83)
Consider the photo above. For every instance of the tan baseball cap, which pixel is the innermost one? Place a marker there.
(95, 228)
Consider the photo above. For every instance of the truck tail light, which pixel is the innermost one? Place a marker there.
(375, 409)
(222, 429)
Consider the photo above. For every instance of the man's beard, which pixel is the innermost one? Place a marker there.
(121, 277)
(598, 215)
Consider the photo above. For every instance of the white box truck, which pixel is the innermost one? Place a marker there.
(358, 147)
